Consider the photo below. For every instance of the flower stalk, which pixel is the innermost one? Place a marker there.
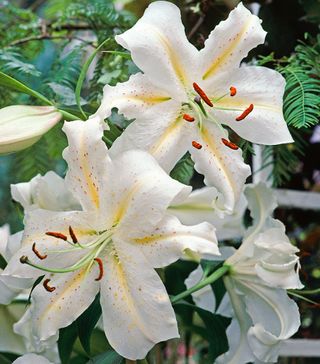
(208, 280)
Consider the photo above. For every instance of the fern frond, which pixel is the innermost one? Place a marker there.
(12, 62)
(302, 97)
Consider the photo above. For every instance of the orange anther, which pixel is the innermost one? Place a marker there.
(196, 145)
(57, 235)
(229, 144)
(202, 94)
(233, 91)
(188, 117)
(36, 252)
(100, 264)
(246, 112)
(73, 235)
(47, 287)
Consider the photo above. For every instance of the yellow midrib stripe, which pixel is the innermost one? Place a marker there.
(215, 150)
(226, 53)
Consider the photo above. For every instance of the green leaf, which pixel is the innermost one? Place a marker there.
(108, 357)
(3, 262)
(87, 322)
(183, 171)
(38, 280)
(67, 337)
(83, 73)
(215, 330)
(111, 135)
(15, 85)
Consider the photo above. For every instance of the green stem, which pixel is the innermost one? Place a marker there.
(68, 115)
(143, 361)
(212, 278)
(307, 292)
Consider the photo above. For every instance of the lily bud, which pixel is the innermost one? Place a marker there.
(21, 125)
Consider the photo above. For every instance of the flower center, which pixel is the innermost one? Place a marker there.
(197, 108)
(101, 244)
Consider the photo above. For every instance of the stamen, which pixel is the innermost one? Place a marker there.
(202, 94)
(57, 235)
(188, 117)
(246, 112)
(36, 252)
(73, 235)
(233, 91)
(100, 264)
(196, 145)
(229, 144)
(47, 287)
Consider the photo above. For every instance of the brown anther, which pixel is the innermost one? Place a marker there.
(233, 91)
(37, 253)
(57, 235)
(47, 287)
(196, 145)
(246, 112)
(202, 94)
(24, 259)
(100, 264)
(73, 235)
(188, 117)
(229, 144)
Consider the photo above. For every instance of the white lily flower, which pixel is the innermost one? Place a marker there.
(21, 125)
(184, 95)
(262, 269)
(198, 207)
(49, 192)
(111, 246)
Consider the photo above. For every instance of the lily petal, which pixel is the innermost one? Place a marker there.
(262, 87)
(89, 164)
(158, 38)
(38, 222)
(222, 167)
(165, 135)
(276, 318)
(198, 208)
(134, 301)
(171, 239)
(4, 236)
(73, 294)
(32, 358)
(230, 42)
(48, 192)
(134, 98)
(22, 126)
(142, 193)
